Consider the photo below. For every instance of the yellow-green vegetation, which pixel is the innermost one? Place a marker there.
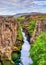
(18, 46)
(38, 17)
(31, 26)
(7, 63)
(38, 50)
(16, 57)
(20, 18)
(19, 38)
(19, 33)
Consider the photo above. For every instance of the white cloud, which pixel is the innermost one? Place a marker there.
(40, 2)
(16, 6)
(6, 13)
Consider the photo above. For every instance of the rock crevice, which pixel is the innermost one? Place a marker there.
(39, 28)
(8, 33)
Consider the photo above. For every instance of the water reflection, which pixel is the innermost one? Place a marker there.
(16, 57)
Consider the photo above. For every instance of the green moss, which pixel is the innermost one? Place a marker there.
(7, 63)
(38, 50)
(16, 57)
(20, 18)
(19, 33)
(31, 26)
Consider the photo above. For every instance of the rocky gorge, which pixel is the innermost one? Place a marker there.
(8, 35)
(11, 37)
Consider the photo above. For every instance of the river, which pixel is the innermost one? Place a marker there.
(25, 51)
(22, 57)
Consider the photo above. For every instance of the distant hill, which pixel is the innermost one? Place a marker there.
(22, 14)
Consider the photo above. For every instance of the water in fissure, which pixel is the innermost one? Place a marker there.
(22, 57)
(25, 51)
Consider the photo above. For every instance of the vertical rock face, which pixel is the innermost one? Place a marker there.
(8, 29)
(39, 28)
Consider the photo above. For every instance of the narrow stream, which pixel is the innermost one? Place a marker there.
(22, 57)
(25, 51)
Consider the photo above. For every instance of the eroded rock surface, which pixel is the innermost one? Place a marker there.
(8, 29)
(39, 28)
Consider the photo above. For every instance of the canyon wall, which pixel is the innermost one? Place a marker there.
(39, 28)
(8, 34)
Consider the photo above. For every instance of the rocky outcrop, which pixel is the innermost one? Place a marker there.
(8, 33)
(39, 28)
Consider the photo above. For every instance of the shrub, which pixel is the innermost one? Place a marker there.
(19, 33)
(38, 50)
(31, 26)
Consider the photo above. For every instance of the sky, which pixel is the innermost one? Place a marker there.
(11, 7)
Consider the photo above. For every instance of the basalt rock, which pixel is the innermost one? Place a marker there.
(8, 33)
(39, 28)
